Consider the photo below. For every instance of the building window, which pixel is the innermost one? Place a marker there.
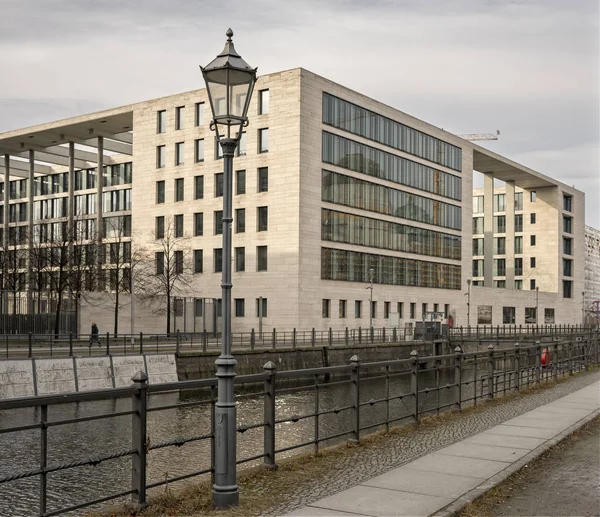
(358, 309)
(241, 148)
(509, 315)
(159, 261)
(567, 267)
(499, 284)
(261, 308)
(263, 179)
(400, 309)
(179, 189)
(262, 217)
(567, 224)
(198, 187)
(477, 247)
(179, 153)
(342, 309)
(218, 150)
(218, 222)
(532, 240)
(567, 246)
(446, 310)
(532, 284)
(239, 307)
(218, 260)
(159, 228)
(518, 200)
(199, 150)
(519, 285)
(530, 315)
(240, 259)
(198, 224)
(532, 262)
(261, 258)
(567, 203)
(499, 245)
(478, 205)
(532, 196)
(478, 267)
(325, 308)
(240, 220)
(178, 262)
(179, 120)
(179, 226)
(423, 310)
(199, 115)
(567, 289)
(519, 244)
(518, 266)
(240, 182)
(519, 223)
(548, 316)
(373, 310)
(386, 310)
(500, 224)
(477, 225)
(219, 184)
(532, 218)
(263, 102)
(499, 202)
(198, 261)
(413, 310)
(436, 307)
(263, 140)
(161, 121)
(160, 192)
(160, 157)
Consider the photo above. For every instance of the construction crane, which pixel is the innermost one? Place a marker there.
(475, 137)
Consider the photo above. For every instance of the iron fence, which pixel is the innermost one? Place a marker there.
(516, 331)
(432, 384)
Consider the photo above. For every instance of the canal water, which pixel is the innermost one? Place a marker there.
(21, 451)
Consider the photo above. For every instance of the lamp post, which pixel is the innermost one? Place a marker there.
(469, 302)
(229, 83)
(371, 271)
(537, 302)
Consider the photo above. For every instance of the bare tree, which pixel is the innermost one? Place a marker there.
(13, 266)
(167, 272)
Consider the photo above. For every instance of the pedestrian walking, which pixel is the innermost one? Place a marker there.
(94, 335)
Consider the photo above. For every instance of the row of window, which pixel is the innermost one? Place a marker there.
(499, 267)
(375, 233)
(499, 203)
(360, 121)
(362, 158)
(500, 224)
(165, 264)
(199, 107)
(179, 150)
(509, 316)
(499, 246)
(349, 191)
(387, 309)
(239, 307)
(354, 266)
(262, 185)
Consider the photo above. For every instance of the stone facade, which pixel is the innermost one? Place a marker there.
(592, 271)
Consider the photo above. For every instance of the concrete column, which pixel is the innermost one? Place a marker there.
(488, 229)
(71, 183)
(510, 234)
(99, 225)
(30, 192)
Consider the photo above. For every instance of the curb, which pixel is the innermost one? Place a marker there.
(455, 507)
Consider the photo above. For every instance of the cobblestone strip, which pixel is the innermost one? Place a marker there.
(363, 463)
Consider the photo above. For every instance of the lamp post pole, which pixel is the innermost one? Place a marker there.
(229, 84)
(469, 302)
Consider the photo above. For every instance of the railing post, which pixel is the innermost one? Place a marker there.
(372, 334)
(458, 376)
(395, 335)
(570, 357)
(359, 335)
(414, 383)
(273, 337)
(138, 438)
(269, 414)
(330, 336)
(313, 337)
(30, 345)
(383, 334)
(346, 337)
(43, 457)
(141, 343)
(294, 338)
(517, 367)
(538, 361)
(205, 340)
(70, 344)
(490, 393)
(177, 343)
(355, 386)
(555, 363)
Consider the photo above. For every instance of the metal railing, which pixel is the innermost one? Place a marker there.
(427, 385)
(516, 331)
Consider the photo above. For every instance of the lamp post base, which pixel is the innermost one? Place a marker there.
(225, 496)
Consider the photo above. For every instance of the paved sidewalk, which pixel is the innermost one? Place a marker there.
(441, 482)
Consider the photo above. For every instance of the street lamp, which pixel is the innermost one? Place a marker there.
(371, 271)
(469, 302)
(229, 83)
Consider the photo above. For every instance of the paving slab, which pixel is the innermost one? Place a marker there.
(457, 466)
(484, 452)
(500, 440)
(382, 502)
(522, 431)
(311, 511)
(408, 479)
(545, 423)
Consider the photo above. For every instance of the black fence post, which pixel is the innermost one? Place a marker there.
(43, 457)
(108, 343)
(138, 438)
(205, 340)
(269, 410)
(294, 338)
(570, 351)
(517, 366)
(252, 340)
(30, 345)
(330, 336)
(70, 344)
(177, 343)
(355, 386)
(538, 361)
(141, 343)
(490, 392)
(458, 376)
(395, 335)
(274, 338)
(372, 334)
(313, 337)
(414, 383)
(383, 334)
(359, 335)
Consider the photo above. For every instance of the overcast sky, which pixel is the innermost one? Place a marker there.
(527, 67)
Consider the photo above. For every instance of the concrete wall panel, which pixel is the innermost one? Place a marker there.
(94, 373)
(125, 367)
(161, 368)
(16, 379)
(55, 376)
